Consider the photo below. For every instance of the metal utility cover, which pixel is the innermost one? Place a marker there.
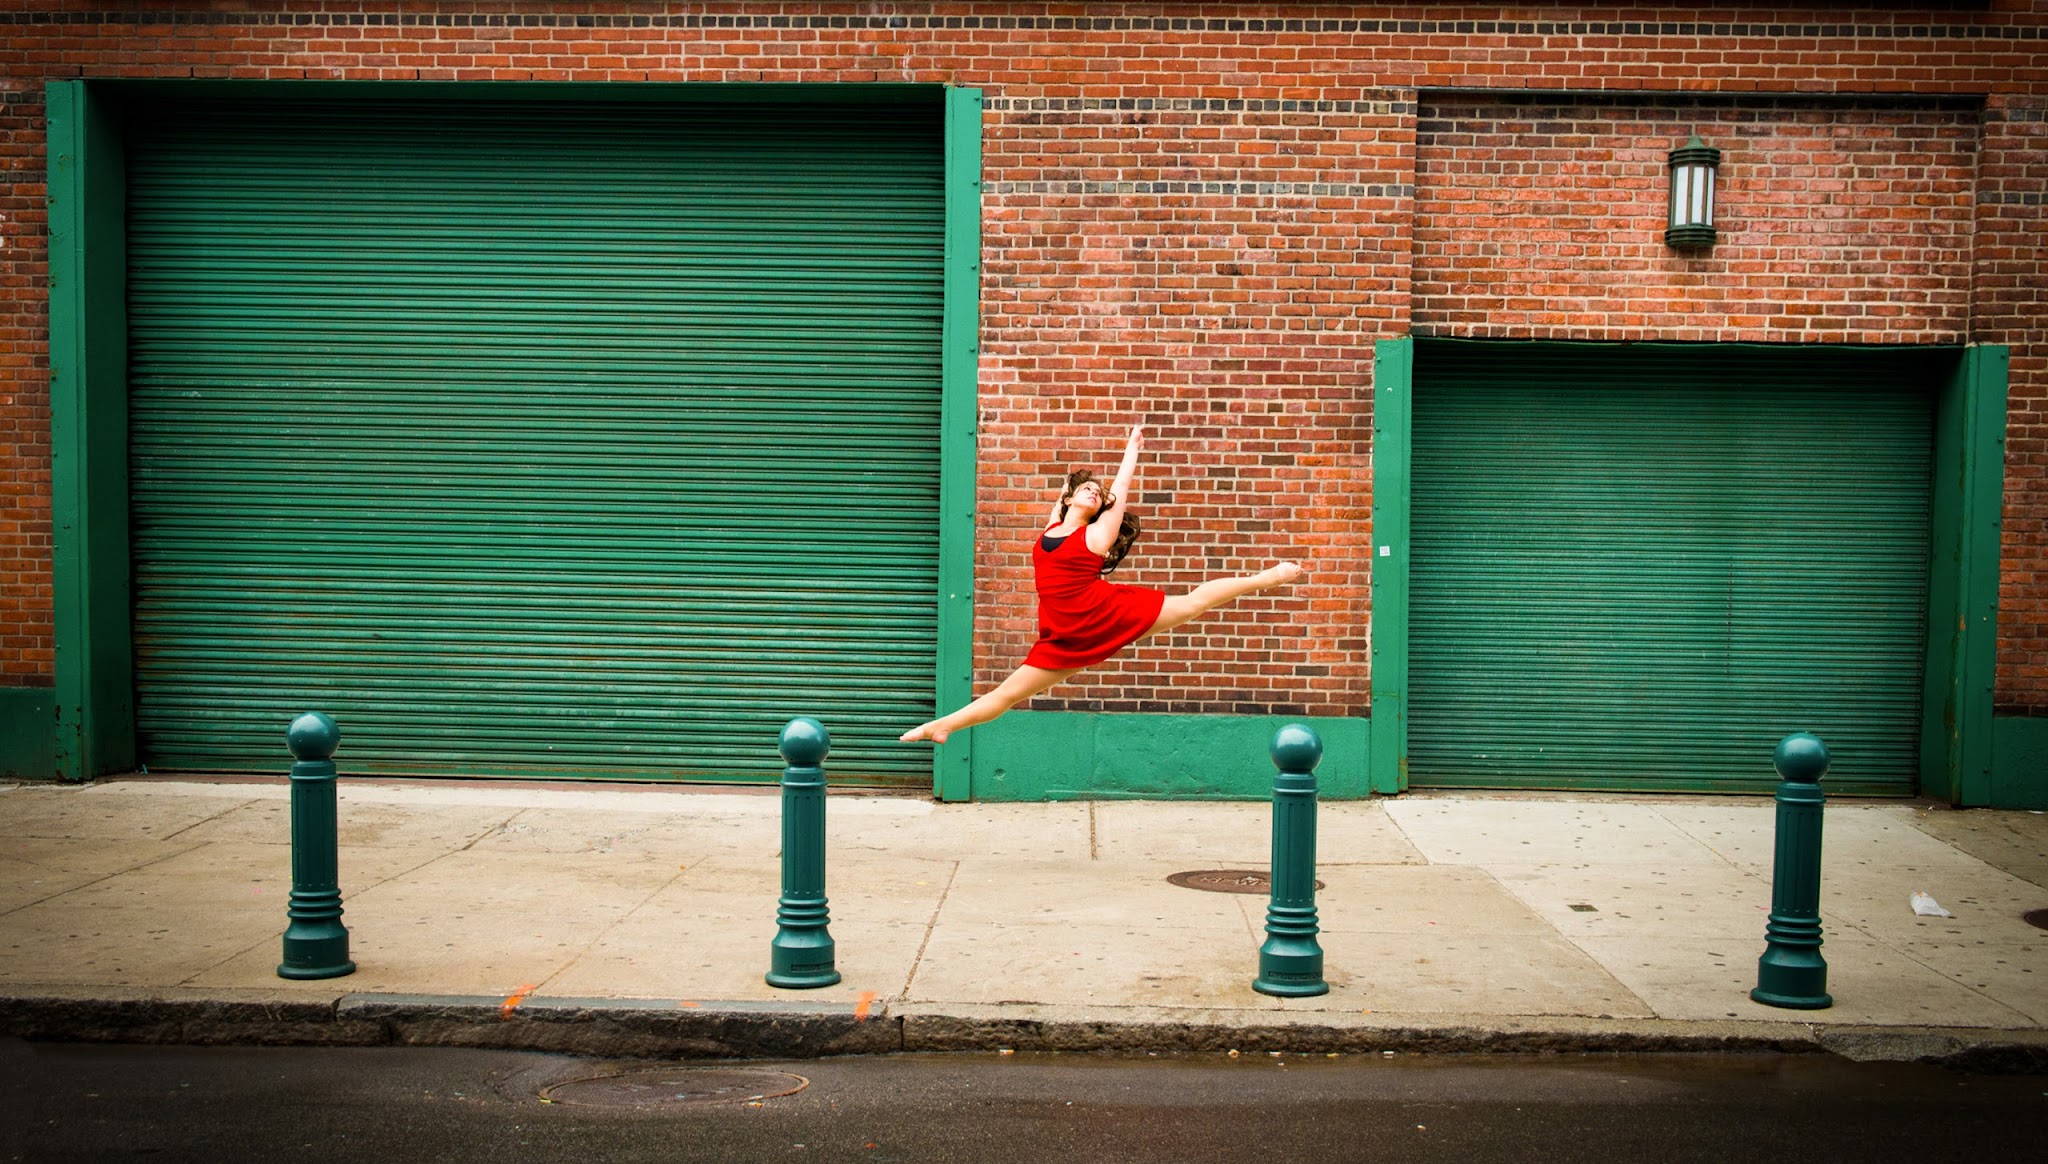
(676, 1086)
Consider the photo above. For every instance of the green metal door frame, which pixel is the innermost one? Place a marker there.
(95, 680)
(1962, 639)
(94, 691)
(952, 762)
(1962, 579)
(1393, 442)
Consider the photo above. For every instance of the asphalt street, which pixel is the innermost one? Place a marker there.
(96, 1102)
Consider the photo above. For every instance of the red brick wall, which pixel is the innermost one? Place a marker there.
(27, 650)
(2011, 308)
(1216, 270)
(1837, 223)
(1167, 243)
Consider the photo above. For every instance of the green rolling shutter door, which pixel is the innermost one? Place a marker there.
(536, 439)
(1641, 567)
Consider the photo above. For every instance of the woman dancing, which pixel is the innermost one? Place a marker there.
(1083, 619)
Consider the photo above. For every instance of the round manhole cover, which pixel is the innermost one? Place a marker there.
(670, 1086)
(2036, 917)
(1227, 880)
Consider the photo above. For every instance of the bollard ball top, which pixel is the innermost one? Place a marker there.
(804, 742)
(1801, 757)
(1297, 748)
(313, 736)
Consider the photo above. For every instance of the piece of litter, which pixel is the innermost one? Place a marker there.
(1925, 906)
(1004, 1051)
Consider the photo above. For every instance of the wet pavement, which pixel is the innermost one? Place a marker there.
(71, 1102)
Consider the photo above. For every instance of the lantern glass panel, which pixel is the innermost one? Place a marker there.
(1692, 195)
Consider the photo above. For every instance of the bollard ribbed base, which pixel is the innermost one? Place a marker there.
(802, 981)
(803, 964)
(316, 960)
(1284, 986)
(803, 955)
(1794, 977)
(315, 949)
(1792, 1001)
(338, 970)
(1290, 967)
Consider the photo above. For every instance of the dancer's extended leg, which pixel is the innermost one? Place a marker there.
(1023, 683)
(1216, 592)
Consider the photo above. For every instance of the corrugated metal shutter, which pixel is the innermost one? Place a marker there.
(541, 439)
(1640, 567)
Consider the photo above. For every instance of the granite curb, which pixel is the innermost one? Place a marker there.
(689, 1029)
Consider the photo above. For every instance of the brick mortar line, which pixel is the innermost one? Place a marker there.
(1383, 107)
(1342, 26)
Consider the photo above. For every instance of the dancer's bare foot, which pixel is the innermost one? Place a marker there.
(925, 731)
(1284, 573)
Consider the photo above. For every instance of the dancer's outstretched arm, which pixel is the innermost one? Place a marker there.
(1103, 530)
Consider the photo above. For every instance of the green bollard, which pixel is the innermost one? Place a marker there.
(1791, 972)
(315, 942)
(802, 955)
(1291, 961)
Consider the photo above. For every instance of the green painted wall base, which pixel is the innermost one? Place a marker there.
(1054, 755)
(1058, 755)
(2019, 763)
(28, 733)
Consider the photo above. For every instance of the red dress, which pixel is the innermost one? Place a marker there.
(1083, 619)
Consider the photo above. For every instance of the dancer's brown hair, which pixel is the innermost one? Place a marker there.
(1124, 536)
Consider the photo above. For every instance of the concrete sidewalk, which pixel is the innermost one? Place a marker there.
(637, 921)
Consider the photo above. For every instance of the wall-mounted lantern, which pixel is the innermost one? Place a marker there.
(1692, 195)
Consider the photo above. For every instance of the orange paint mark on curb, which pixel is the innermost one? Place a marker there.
(687, 1002)
(518, 996)
(860, 1009)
